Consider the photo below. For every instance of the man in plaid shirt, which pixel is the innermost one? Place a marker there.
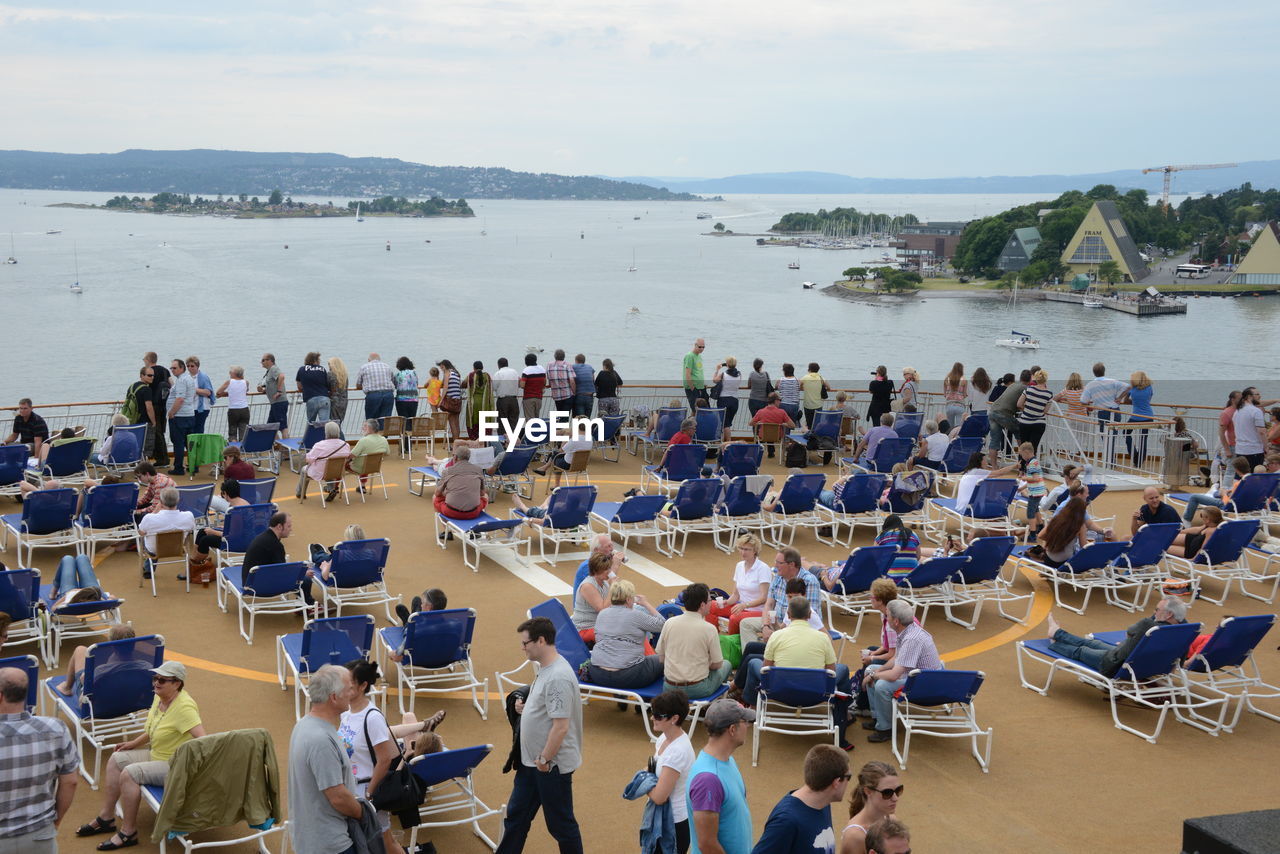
(916, 651)
(378, 383)
(38, 765)
(561, 384)
(786, 566)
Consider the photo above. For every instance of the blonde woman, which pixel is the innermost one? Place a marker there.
(750, 586)
(337, 389)
(619, 659)
(908, 393)
(875, 797)
(1138, 395)
(729, 380)
(1076, 412)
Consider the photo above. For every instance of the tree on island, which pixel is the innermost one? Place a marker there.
(859, 273)
(276, 197)
(1109, 272)
(719, 227)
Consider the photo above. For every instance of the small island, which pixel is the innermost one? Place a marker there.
(277, 206)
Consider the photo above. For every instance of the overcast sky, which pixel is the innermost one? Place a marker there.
(908, 88)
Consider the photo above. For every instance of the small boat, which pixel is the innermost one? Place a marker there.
(13, 255)
(633, 310)
(1090, 302)
(632, 268)
(808, 286)
(533, 349)
(794, 265)
(704, 216)
(358, 217)
(1019, 341)
(635, 217)
(75, 286)
(54, 231)
(388, 245)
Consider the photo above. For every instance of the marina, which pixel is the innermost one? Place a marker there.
(1138, 305)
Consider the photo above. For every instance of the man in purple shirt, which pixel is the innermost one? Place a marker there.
(873, 437)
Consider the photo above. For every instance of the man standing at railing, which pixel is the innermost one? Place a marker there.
(1100, 395)
(694, 381)
(160, 398)
(182, 413)
(378, 383)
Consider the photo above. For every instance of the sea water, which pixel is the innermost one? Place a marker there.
(546, 274)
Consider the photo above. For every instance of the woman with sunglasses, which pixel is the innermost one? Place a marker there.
(173, 720)
(673, 756)
(875, 797)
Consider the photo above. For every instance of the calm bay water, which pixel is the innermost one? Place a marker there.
(547, 274)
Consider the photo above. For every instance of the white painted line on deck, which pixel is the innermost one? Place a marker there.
(536, 577)
(655, 572)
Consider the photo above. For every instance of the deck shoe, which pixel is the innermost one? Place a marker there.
(402, 613)
(879, 736)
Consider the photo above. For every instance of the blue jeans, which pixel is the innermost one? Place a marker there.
(201, 418)
(180, 428)
(377, 404)
(550, 791)
(1087, 651)
(707, 686)
(1195, 502)
(881, 696)
(582, 403)
(318, 409)
(74, 571)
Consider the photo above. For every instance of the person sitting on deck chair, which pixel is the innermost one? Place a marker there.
(1104, 657)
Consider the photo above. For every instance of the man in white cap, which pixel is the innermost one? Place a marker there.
(717, 793)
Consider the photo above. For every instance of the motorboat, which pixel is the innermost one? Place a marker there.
(1090, 302)
(794, 265)
(704, 216)
(533, 348)
(1019, 341)
(808, 286)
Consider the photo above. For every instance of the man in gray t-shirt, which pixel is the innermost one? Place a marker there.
(550, 745)
(273, 387)
(322, 789)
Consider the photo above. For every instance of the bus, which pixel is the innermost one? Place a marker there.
(1192, 271)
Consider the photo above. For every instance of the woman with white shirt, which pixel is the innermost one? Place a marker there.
(975, 474)
(236, 391)
(673, 756)
(750, 586)
(933, 446)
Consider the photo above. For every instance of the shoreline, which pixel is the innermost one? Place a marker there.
(311, 213)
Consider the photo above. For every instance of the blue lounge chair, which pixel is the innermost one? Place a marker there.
(357, 577)
(13, 468)
(568, 518)
(1250, 499)
(989, 508)
(957, 455)
(739, 458)
(852, 592)
(1224, 558)
(858, 504)
(124, 455)
(108, 516)
(259, 446)
(114, 699)
(451, 794)
(31, 665)
(683, 462)
(433, 656)
(424, 476)
(512, 474)
(239, 527)
(668, 425)
(710, 429)
(196, 499)
(611, 438)
(76, 621)
(940, 703)
(794, 701)
(634, 517)
(693, 511)
(484, 534)
(328, 640)
(975, 426)
(260, 490)
(796, 507)
(20, 599)
(982, 580)
(47, 520)
(570, 645)
(907, 425)
(273, 588)
(1088, 570)
(888, 454)
(1146, 677)
(740, 512)
(929, 584)
(1140, 568)
(67, 463)
(297, 448)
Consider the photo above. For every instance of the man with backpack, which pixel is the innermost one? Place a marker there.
(139, 407)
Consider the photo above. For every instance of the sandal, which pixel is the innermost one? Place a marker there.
(430, 724)
(127, 840)
(97, 826)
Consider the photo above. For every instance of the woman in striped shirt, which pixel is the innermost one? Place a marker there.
(1077, 413)
(1031, 408)
(451, 403)
(789, 391)
(894, 533)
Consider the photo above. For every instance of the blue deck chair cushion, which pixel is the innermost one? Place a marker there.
(932, 572)
(741, 458)
(31, 665)
(117, 677)
(1148, 546)
(861, 493)
(435, 768)
(259, 438)
(696, 499)
(635, 509)
(244, 523)
(889, 453)
(13, 464)
(1095, 556)
(436, 638)
(1232, 642)
(68, 458)
(259, 490)
(683, 462)
(710, 425)
(568, 642)
(109, 505)
(1155, 655)
(800, 493)
(797, 686)
(863, 566)
(987, 556)
(356, 563)
(270, 579)
(739, 500)
(975, 426)
(940, 687)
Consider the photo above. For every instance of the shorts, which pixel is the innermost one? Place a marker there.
(144, 770)
(1033, 506)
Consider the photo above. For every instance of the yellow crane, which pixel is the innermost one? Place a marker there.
(1168, 176)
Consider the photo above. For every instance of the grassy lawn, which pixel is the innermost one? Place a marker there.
(939, 284)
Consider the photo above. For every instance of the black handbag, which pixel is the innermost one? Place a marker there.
(400, 791)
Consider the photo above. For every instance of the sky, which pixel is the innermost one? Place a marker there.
(705, 88)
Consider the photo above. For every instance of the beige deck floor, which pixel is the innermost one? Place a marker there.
(1062, 779)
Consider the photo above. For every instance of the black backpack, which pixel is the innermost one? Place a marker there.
(796, 456)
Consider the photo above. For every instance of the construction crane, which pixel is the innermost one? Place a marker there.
(1168, 176)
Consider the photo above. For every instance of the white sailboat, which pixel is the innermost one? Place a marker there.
(632, 268)
(75, 286)
(13, 256)
(358, 217)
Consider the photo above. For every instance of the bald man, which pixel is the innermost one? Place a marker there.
(376, 379)
(600, 544)
(1154, 510)
(38, 771)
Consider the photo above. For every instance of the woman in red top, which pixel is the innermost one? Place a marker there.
(234, 467)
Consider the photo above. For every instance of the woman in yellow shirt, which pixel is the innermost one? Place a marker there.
(173, 720)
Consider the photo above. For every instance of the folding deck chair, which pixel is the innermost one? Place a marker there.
(740, 510)
(259, 446)
(1088, 570)
(511, 476)
(989, 509)
(693, 511)
(684, 462)
(610, 440)
(1251, 498)
(47, 520)
(858, 504)
(796, 507)
(123, 462)
(740, 458)
(669, 419)
(76, 621)
(1140, 568)
(196, 499)
(239, 527)
(482, 535)
(357, 577)
(794, 701)
(451, 793)
(31, 666)
(433, 656)
(1146, 677)
(568, 518)
(327, 640)
(907, 425)
(852, 592)
(982, 580)
(107, 517)
(1224, 558)
(67, 463)
(940, 703)
(710, 430)
(20, 599)
(260, 490)
(273, 588)
(13, 468)
(888, 454)
(929, 584)
(114, 699)
(635, 516)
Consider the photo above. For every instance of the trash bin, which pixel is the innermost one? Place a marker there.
(1177, 459)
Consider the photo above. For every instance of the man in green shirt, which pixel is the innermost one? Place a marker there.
(695, 384)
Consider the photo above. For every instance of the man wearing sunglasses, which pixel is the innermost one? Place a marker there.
(801, 821)
(717, 793)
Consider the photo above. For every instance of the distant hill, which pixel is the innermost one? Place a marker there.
(258, 173)
(1262, 173)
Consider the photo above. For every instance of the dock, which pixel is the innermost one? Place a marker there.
(1142, 307)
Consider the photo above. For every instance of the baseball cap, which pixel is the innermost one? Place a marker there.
(724, 713)
(172, 669)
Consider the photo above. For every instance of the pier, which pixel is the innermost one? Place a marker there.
(1143, 306)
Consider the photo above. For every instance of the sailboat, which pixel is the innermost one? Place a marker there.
(358, 217)
(75, 286)
(632, 268)
(794, 265)
(13, 256)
